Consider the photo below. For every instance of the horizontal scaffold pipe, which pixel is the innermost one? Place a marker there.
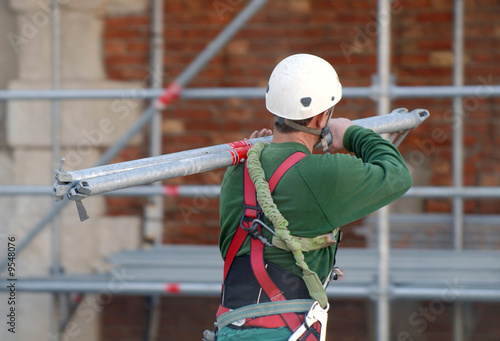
(97, 180)
(437, 218)
(140, 93)
(64, 176)
(214, 190)
(479, 91)
(96, 285)
(186, 191)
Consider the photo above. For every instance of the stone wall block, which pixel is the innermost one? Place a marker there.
(81, 45)
(124, 7)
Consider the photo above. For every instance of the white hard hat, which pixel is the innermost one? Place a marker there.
(302, 86)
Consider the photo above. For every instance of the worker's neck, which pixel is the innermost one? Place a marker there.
(306, 139)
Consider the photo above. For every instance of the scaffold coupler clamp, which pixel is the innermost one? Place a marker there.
(209, 335)
(67, 188)
(315, 314)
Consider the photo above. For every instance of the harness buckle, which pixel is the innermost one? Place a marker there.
(254, 231)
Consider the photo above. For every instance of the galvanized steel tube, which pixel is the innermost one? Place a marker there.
(213, 190)
(105, 284)
(383, 101)
(380, 124)
(458, 152)
(108, 178)
(57, 301)
(153, 213)
(484, 90)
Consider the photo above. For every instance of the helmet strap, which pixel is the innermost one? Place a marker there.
(324, 134)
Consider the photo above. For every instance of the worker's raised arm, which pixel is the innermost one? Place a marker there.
(375, 176)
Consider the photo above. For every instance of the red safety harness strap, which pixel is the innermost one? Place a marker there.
(257, 247)
(234, 247)
(252, 211)
(259, 270)
(283, 168)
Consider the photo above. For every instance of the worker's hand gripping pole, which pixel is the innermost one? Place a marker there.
(77, 185)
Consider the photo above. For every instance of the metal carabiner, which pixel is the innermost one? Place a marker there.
(315, 314)
(261, 223)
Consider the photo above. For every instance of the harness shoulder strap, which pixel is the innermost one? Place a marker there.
(251, 207)
(252, 211)
(283, 168)
(257, 247)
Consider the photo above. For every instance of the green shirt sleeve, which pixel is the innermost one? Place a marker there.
(371, 178)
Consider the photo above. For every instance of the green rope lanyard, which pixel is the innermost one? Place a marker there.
(280, 224)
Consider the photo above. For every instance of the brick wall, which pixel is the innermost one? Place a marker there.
(344, 33)
(182, 318)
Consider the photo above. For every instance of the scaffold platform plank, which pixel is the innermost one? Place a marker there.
(197, 270)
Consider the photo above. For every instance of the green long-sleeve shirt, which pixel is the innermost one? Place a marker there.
(320, 193)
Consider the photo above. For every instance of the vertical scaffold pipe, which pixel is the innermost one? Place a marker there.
(383, 69)
(458, 153)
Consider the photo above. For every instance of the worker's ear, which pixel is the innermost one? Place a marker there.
(318, 121)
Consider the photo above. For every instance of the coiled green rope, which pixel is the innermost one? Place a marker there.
(280, 224)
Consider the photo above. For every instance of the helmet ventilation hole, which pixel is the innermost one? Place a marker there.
(306, 101)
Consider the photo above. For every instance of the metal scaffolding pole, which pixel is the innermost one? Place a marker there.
(168, 94)
(153, 215)
(58, 306)
(153, 224)
(214, 190)
(209, 191)
(102, 285)
(395, 121)
(384, 80)
(77, 185)
(458, 152)
(481, 90)
(458, 122)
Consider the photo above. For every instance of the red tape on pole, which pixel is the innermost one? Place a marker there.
(171, 93)
(171, 191)
(172, 288)
(239, 150)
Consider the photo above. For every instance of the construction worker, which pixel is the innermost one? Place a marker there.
(313, 195)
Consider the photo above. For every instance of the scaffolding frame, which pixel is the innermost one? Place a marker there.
(382, 91)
